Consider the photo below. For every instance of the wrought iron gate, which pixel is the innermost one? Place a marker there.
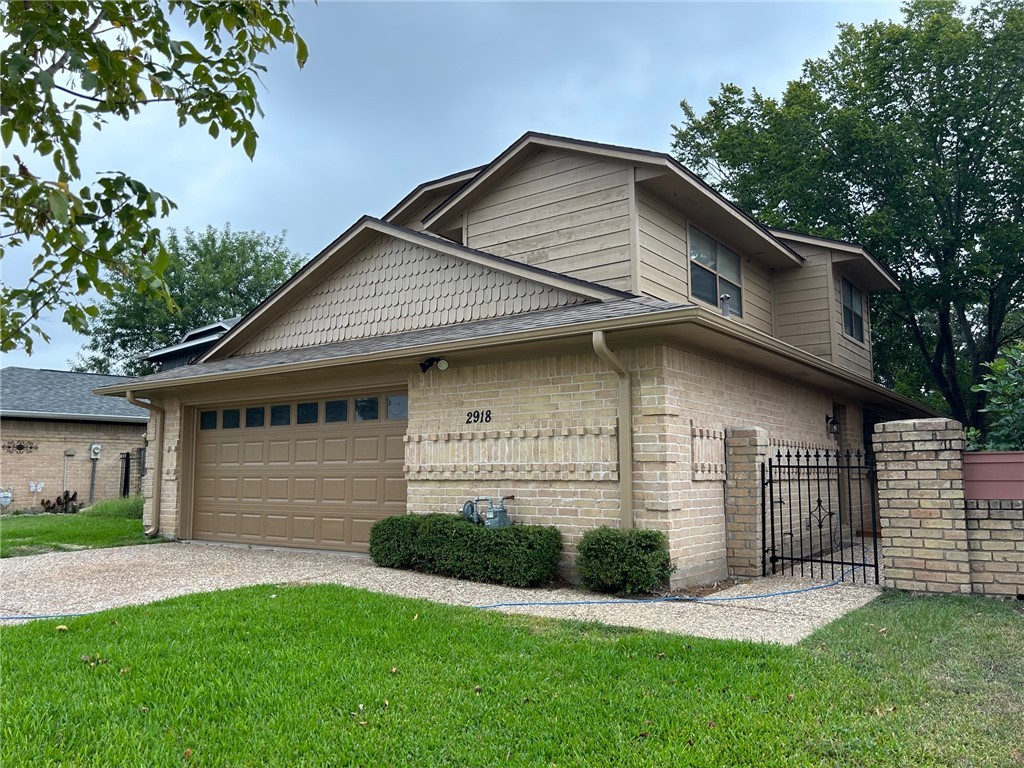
(819, 516)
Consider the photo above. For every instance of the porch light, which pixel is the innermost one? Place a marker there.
(430, 362)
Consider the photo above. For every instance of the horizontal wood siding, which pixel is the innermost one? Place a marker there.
(802, 315)
(564, 212)
(757, 296)
(664, 254)
(665, 263)
(850, 353)
(393, 286)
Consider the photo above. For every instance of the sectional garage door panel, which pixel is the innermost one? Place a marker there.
(321, 483)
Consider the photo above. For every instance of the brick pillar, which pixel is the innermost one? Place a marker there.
(921, 505)
(746, 448)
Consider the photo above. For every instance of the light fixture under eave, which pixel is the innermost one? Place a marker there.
(430, 362)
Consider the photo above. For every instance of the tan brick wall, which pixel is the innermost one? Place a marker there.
(995, 541)
(551, 442)
(171, 471)
(921, 505)
(46, 463)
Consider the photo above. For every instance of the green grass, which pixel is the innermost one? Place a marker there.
(329, 676)
(115, 523)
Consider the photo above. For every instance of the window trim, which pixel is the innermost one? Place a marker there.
(735, 307)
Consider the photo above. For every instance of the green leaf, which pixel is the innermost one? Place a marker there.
(249, 144)
(58, 205)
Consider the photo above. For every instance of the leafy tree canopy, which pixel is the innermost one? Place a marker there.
(1004, 383)
(212, 275)
(909, 139)
(66, 68)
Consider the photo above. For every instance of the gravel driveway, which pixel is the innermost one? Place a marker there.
(98, 579)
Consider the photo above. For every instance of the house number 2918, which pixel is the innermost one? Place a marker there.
(478, 417)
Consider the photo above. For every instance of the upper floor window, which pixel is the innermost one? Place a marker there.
(853, 310)
(714, 271)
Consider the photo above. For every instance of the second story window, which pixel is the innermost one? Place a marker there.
(714, 270)
(853, 310)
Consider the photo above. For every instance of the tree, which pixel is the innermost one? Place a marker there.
(1004, 383)
(909, 139)
(213, 275)
(67, 68)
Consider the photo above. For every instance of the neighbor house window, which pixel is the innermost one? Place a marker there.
(714, 271)
(853, 310)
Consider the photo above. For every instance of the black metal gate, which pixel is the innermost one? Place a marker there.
(819, 516)
(126, 474)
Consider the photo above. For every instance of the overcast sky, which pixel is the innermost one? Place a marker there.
(395, 94)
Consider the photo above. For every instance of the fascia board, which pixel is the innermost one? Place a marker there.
(50, 416)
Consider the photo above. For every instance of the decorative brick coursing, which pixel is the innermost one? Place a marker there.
(995, 542)
(921, 505)
(46, 462)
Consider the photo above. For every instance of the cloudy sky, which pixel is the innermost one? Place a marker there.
(395, 94)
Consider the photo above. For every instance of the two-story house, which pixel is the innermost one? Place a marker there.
(575, 324)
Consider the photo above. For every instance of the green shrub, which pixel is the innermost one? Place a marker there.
(624, 562)
(517, 556)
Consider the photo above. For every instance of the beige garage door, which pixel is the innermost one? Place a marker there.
(307, 473)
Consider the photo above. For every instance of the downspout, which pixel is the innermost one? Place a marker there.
(158, 459)
(625, 428)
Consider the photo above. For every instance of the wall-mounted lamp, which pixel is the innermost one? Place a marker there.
(832, 425)
(430, 362)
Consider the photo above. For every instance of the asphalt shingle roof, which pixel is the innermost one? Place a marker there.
(509, 324)
(63, 395)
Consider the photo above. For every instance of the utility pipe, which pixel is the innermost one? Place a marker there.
(625, 428)
(158, 459)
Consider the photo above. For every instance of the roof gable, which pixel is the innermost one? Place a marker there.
(380, 279)
(661, 172)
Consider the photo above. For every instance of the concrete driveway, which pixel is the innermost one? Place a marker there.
(63, 583)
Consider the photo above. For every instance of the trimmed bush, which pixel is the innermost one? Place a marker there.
(517, 556)
(623, 562)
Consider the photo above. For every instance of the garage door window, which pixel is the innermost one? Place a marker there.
(280, 415)
(208, 420)
(255, 417)
(230, 419)
(398, 406)
(336, 410)
(367, 408)
(307, 413)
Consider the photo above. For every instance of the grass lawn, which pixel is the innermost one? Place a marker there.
(330, 676)
(115, 523)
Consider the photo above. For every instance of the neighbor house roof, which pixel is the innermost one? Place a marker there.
(198, 339)
(29, 393)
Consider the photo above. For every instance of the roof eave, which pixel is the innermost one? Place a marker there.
(691, 314)
(48, 416)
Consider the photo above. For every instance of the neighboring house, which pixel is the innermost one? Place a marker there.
(56, 433)
(550, 326)
(191, 346)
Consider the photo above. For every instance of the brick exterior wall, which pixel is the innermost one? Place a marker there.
(995, 543)
(552, 444)
(46, 462)
(170, 485)
(933, 539)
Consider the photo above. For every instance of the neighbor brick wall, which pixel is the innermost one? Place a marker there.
(933, 539)
(995, 542)
(46, 462)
